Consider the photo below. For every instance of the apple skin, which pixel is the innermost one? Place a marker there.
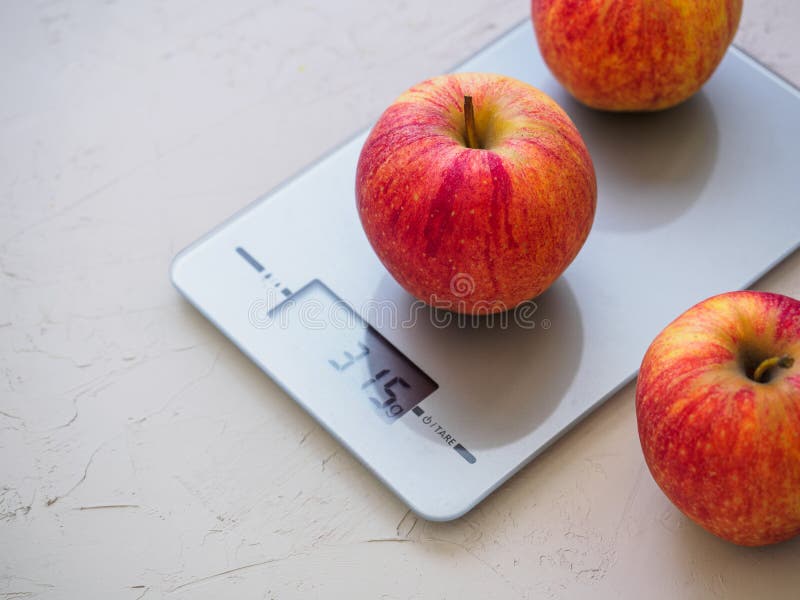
(632, 55)
(475, 230)
(724, 448)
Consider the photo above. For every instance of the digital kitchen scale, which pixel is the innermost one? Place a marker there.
(693, 201)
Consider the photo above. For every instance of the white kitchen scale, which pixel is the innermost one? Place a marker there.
(694, 201)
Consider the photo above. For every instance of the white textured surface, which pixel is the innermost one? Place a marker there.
(140, 454)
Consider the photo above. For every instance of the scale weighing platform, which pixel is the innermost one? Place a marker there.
(693, 201)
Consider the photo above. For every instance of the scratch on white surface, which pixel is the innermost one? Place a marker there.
(89, 393)
(23, 508)
(719, 587)
(33, 348)
(11, 274)
(574, 560)
(596, 466)
(208, 533)
(144, 589)
(189, 385)
(74, 204)
(489, 566)
(400, 523)
(594, 574)
(262, 563)
(403, 518)
(328, 458)
(24, 581)
(55, 499)
(186, 348)
(86, 389)
(242, 543)
(306, 434)
(194, 493)
(9, 415)
(105, 506)
(10, 378)
(629, 501)
(466, 520)
(11, 505)
(388, 540)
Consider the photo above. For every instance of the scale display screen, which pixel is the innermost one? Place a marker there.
(339, 346)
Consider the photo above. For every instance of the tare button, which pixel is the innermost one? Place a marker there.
(441, 431)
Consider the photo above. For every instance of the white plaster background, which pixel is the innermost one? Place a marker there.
(141, 456)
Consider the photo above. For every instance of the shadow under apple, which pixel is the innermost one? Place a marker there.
(500, 377)
(744, 569)
(651, 167)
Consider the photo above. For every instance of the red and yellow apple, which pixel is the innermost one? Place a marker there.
(476, 191)
(632, 55)
(718, 409)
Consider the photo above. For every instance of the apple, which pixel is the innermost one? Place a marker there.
(632, 55)
(476, 191)
(718, 410)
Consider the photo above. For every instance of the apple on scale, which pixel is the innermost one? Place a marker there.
(630, 55)
(476, 191)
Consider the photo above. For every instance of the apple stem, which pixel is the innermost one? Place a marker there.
(469, 120)
(776, 361)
